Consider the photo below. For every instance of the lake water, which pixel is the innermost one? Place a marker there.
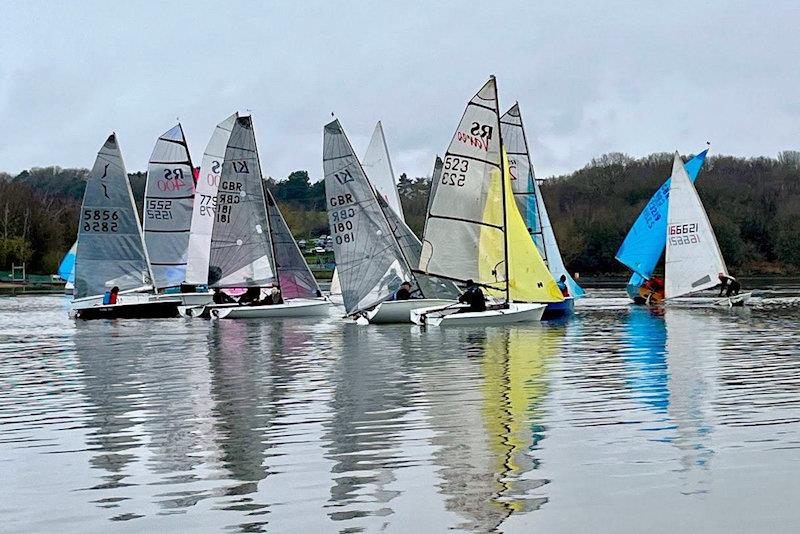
(617, 420)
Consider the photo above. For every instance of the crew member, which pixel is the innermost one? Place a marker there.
(474, 297)
(728, 285)
(220, 297)
(403, 293)
(562, 285)
(251, 296)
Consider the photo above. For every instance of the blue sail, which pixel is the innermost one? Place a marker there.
(645, 242)
(66, 270)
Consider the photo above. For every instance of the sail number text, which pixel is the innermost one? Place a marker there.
(454, 172)
(160, 210)
(341, 225)
(683, 234)
(100, 220)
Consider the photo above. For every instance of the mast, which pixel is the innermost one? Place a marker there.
(503, 193)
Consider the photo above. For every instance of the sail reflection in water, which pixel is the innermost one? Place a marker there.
(614, 419)
(487, 454)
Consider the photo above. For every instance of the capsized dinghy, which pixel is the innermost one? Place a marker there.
(694, 261)
(110, 251)
(374, 247)
(645, 242)
(473, 231)
(531, 205)
(251, 246)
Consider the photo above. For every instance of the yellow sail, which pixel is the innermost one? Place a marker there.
(529, 278)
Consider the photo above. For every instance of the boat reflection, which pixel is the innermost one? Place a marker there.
(488, 454)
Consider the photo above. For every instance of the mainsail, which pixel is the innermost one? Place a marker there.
(110, 248)
(241, 252)
(205, 199)
(294, 277)
(168, 201)
(694, 260)
(529, 198)
(469, 233)
(368, 258)
(378, 167)
(644, 244)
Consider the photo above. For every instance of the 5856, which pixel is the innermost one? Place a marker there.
(100, 220)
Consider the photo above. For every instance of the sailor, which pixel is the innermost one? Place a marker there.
(403, 293)
(221, 298)
(562, 285)
(251, 296)
(474, 297)
(728, 285)
(111, 296)
(275, 296)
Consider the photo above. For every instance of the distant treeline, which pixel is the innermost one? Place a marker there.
(753, 204)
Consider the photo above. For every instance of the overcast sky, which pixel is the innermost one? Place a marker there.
(591, 77)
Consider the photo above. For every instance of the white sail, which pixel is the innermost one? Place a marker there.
(694, 261)
(369, 260)
(205, 200)
(458, 218)
(168, 201)
(378, 167)
(241, 249)
(110, 249)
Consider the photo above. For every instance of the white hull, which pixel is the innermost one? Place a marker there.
(187, 299)
(734, 300)
(399, 311)
(290, 308)
(516, 312)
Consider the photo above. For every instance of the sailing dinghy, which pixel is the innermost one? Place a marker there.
(168, 205)
(377, 165)
(645, 242)
(530, 202)
(111, 251)
(251, 246)
(474, 231)
(694, 260)
(374, 248)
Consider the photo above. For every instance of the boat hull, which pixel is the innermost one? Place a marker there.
(454, 316)
(557, 310)
(186, 299)
(399, 311)
(290, 308)
(700, 302)
(162, 309)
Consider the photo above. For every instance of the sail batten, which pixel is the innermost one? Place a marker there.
(110, 249)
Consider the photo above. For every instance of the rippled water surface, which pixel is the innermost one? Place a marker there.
(617, 420)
